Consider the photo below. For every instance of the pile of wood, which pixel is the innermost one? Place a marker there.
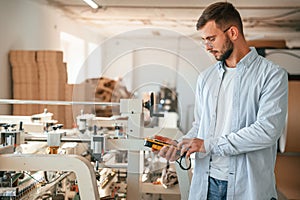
(108, 90)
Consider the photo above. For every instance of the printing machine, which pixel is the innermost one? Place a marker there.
(104, 158)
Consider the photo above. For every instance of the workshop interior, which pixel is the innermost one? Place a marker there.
(86, 85)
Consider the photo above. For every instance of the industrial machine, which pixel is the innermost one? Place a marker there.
(103, 158)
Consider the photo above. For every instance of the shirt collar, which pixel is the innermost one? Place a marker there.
(248, 59)
(245, 62)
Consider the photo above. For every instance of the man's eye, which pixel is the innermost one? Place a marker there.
(212, 39)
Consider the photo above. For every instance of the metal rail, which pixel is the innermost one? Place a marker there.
(42, 102)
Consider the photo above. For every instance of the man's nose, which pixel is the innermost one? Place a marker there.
(208, 46)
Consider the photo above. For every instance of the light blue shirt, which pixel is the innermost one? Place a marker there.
(260, 98)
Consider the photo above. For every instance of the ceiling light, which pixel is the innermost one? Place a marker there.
(91, 3)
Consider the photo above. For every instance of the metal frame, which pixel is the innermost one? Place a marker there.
(44, 162)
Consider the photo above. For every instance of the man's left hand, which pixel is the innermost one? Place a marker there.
(191, 145)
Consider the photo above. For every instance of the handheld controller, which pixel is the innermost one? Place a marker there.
(158, 144)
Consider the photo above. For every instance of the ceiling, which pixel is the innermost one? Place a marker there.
(263, 19)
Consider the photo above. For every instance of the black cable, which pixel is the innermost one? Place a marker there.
(180, 162)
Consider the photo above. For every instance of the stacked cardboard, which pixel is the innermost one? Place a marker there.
(52, 80)
(42, 75)
(288, 163)
(82, 92)
(25, 80)
(39, 75)
(69, 119)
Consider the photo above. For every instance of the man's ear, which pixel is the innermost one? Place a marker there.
(233, 32)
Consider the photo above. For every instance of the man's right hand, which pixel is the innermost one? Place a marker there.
(171, 152)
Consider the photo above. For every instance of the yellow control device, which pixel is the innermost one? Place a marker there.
(155, 144)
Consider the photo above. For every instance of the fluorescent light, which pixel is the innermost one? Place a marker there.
(91, 3)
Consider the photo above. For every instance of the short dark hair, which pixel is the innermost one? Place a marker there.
(223, 13)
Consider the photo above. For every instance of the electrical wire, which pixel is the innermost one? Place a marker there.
(41, 182)
(272, 17)
(181, 165)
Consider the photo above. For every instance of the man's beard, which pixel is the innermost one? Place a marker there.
(228, 46)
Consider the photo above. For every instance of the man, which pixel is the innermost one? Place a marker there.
(240, 112)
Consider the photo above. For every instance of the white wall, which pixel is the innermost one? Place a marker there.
(146, 62)
(26, 25)
(288, 59)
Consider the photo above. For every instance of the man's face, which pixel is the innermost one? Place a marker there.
(216, 41)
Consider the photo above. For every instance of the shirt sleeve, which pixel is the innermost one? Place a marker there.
(268, 126)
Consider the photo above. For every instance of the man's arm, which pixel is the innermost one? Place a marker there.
(267, 128)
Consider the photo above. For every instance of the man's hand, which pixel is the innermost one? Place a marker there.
(187, 146)
(190, 146)
(171, 152)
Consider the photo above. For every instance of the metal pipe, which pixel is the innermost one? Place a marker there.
(42, 102)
